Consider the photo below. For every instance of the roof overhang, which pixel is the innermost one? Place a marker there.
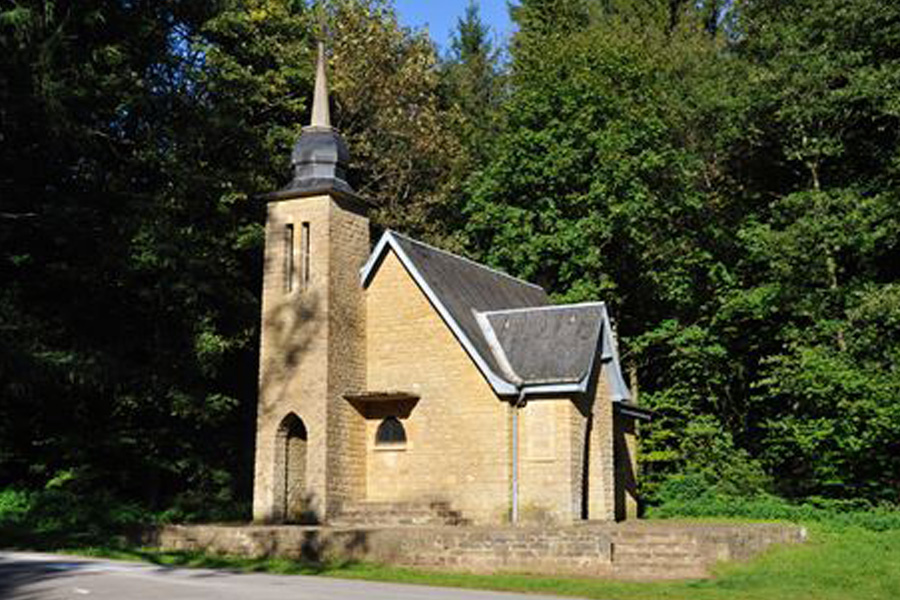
(606, 353)
(368, 397)
(345, 197)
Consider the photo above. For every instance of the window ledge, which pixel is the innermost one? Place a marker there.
(397, 447)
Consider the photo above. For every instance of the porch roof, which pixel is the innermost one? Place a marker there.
(381, 396)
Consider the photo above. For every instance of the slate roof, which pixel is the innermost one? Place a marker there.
(552, 344)
(515, 337)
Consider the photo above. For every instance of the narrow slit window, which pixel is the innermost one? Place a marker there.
(289, 257)
(304, 255)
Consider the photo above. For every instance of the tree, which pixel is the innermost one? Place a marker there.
(386, 88)
(474, 85)
(108, 277)
(825, 118)
(134, 146)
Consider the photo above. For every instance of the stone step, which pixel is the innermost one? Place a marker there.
(656, 549)
(377, 513)
(652, 537)
(400, 504)
(407, 511)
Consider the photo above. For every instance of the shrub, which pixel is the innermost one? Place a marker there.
(55, 517)
(14, 506)
(681, 497)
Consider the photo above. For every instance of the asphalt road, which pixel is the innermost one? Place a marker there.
(30, 576)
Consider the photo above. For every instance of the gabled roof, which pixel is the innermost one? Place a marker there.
(508, 327)
(550, 347)
(548, 344)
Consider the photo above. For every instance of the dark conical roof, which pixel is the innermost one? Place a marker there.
(320, 156)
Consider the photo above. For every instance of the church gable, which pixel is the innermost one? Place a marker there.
(518, 341)
(408, 344)
(554, 348)
(458, 288)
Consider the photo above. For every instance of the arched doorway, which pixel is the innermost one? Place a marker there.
(292, 494)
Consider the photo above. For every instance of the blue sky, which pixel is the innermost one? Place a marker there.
(440, 17)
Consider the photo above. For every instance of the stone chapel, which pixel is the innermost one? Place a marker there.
(406, 382)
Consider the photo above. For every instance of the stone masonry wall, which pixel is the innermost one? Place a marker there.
(349, 237)
(578, 439)
(637, 550)
(458, 434)
(601, 464)
(311, 352)
(626, 467)
(545, 461)
(293, 353)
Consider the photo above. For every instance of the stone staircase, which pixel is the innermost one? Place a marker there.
(397, 514)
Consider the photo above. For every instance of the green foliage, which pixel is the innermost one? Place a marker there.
(474, 88)
(723, 175)
(135, 137)
(14, 505)
(690, 496)
(65, 514)
(56, 516)
(389, 107)
(574, 190)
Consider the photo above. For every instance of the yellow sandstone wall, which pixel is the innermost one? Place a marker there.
(559, 439)
(331, 337)
(601, 463)
(312, 352)
(350, 249)
(549, 467)
(458, 432)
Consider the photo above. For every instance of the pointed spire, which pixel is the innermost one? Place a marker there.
(321, 117)
(320, 156)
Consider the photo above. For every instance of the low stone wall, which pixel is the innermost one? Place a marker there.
(580, 551)
(629, 550)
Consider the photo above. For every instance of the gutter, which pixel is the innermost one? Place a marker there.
(634, 411)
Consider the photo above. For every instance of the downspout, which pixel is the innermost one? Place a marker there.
(510, 375)
(520, 402)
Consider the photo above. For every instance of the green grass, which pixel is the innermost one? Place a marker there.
(835, 564)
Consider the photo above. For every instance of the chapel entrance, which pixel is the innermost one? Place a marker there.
(294, 447)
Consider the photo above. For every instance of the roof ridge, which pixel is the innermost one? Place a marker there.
(464, 259)
(597, 303)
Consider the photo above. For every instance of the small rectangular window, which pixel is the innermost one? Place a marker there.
(304, 256)
(289, 257)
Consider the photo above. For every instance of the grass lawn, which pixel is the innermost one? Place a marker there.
(834, 564)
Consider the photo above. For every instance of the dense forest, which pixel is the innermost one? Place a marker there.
(725, 174)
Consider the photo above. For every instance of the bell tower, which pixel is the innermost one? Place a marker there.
(310, 455)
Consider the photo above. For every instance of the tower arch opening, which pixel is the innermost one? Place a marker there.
(291, 494)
